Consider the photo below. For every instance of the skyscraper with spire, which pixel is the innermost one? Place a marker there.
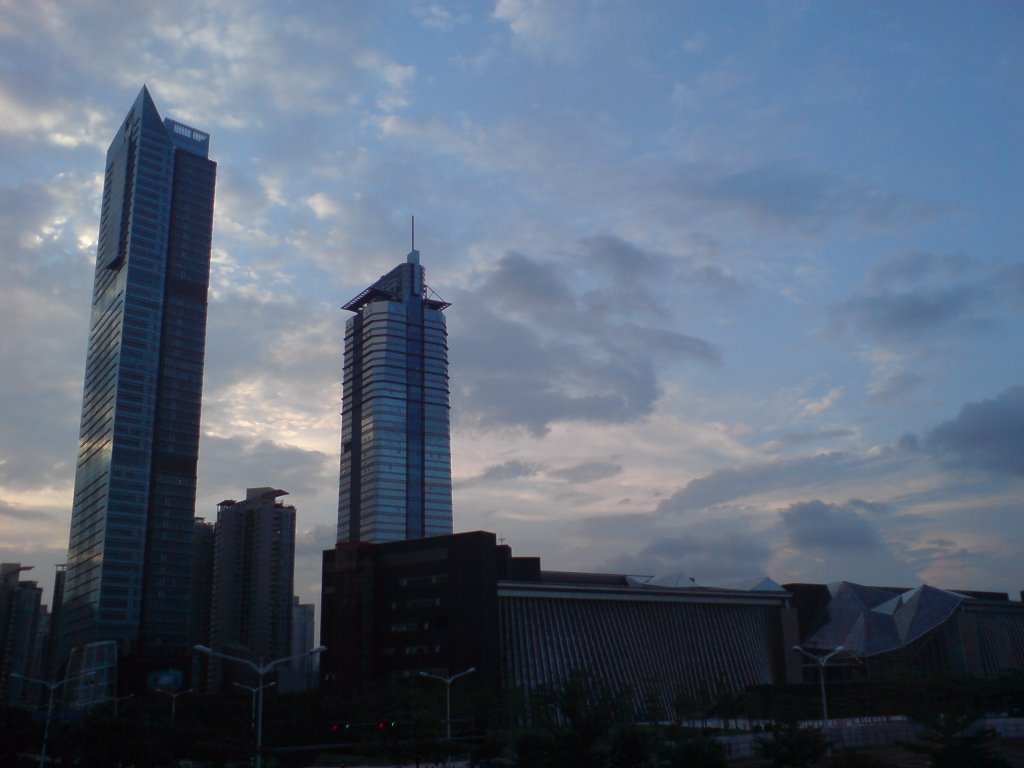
(135, 483)
(396, 477)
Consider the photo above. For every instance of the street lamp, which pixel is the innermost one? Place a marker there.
(174, 699)
(448, 693)
(261, 670)
(49, 705)
(821, 661)
(117, 702)
(253, 690)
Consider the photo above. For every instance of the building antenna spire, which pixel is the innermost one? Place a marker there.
(414, 233)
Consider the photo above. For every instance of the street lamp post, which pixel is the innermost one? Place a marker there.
(49, 706)
(448, 694)
(253, 691)
(821, 661)
(174, 699)
(117, 702)
(261, 670)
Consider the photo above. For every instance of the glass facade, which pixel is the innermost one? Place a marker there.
(129, 555)
(395, 479)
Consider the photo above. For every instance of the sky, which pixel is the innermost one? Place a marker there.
(736, 288)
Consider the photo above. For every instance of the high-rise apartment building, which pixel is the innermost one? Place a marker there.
(202, 596)
(396, 478)
(23, 623)
(253, 579)
(135, 485)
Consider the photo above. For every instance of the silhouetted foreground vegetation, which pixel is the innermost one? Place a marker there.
(582, 724)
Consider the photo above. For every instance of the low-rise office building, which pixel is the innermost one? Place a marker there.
(444, 604)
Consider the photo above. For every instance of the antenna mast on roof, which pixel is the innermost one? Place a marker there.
(414, 233)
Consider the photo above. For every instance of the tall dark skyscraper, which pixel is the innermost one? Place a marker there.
(396, 469)
(135, 485)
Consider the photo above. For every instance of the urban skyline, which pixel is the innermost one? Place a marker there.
(736, 289)
(130, 549)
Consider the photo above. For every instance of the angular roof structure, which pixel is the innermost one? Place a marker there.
(868, 621)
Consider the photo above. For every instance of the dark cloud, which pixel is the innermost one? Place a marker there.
(587, 472)
(524, 285)
(987, 435)
(817, 525)
(727, 484)
(526, 353)
(792, 197)
(709, 560)
(614, 527)
(624, 262)
(634, 278)
(509, 470)
(908, 444)
(908, 315)
(230, 465)
(21, 513)
(722, 284)
(671, 344)
(917, 266)
(916, 295)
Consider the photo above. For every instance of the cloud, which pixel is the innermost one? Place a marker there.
(587, 472)
(436, 16)
(791, 196)
(986, 435)
(894, 386)
(515, 469)
(310, 543)
(528, 352)
(812, 407)
(230, 465)
(635, 277)
(708, 559)
(909, 315)
(802, 438)
(817, 525)
(21, 513)
(912, 267)
(727, 484)
(918, 295)
(559, 30)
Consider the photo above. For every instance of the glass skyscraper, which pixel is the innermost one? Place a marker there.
(135, 484)
(396, 474)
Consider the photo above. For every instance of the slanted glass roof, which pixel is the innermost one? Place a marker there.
(869, 620)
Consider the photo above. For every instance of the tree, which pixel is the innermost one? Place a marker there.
(948, 712)
(951, 740)
(791, 746)
(699, 751)
(575, 721)
(17, 734)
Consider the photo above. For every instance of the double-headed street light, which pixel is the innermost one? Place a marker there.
(174, 698)
(821, 661)
(49, 705)
(261, 670)
(448, 693)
